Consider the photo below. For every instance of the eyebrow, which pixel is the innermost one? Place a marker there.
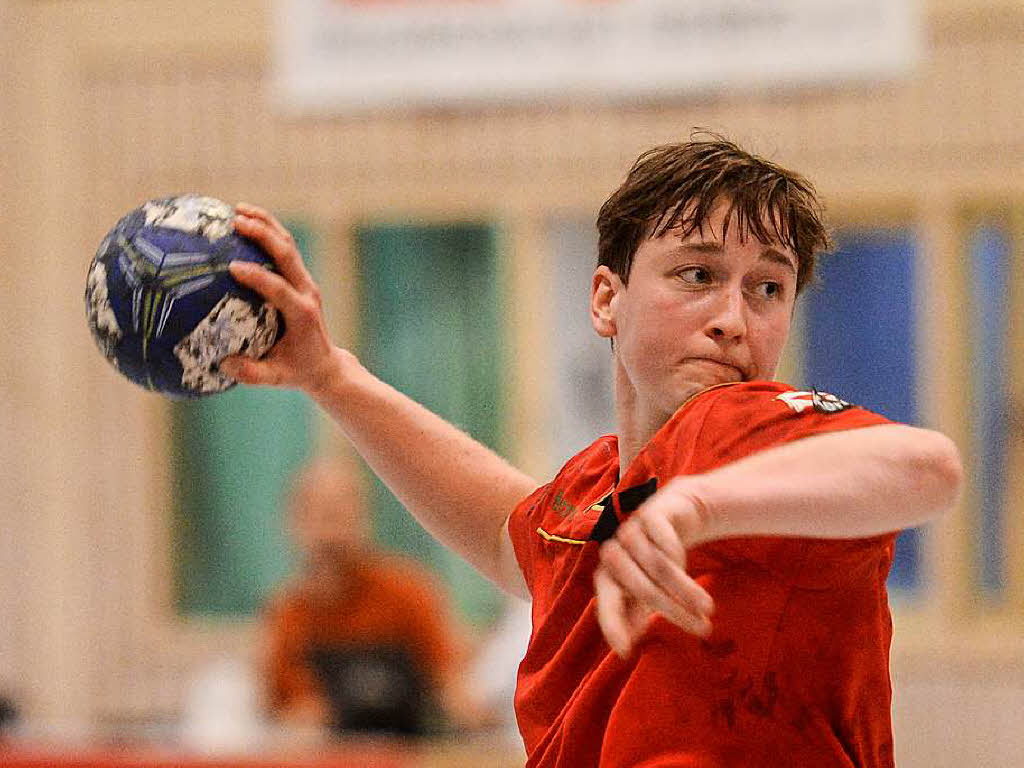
(769, 254)
(778, 257)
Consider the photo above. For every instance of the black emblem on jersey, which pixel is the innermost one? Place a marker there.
(826, 403)
(822, 402)
(630, 500)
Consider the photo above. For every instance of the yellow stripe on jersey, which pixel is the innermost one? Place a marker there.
(551, 537)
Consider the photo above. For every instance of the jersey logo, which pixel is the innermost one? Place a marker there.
(822, 402)
(561, 506)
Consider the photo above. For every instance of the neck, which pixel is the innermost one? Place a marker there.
(636, 425)
(328, 577)
(637, 421)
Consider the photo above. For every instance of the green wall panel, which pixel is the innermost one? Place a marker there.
(430, 326)
(234, 455)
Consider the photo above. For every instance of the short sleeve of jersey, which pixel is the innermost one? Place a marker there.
(560, 511)
(739, 421)
(520, 529)
(742, 420)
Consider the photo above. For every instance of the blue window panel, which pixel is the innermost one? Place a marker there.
(860, 342)
(990, 257)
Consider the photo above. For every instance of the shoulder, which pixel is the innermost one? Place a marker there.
(772, 400)
(556, 506)
(595, 457)
(725, 423)
(576, 480)
(732, 404)
(770, 395)
(288, 604)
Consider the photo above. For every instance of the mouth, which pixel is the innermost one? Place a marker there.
(732, 367)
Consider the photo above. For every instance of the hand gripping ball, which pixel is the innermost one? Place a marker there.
(160, 301)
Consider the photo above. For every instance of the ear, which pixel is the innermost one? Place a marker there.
(605, 287)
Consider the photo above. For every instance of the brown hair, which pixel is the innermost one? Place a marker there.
(675, 186)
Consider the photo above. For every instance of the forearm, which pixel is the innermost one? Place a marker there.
(458, 489)
(852, 484)
(849, 484)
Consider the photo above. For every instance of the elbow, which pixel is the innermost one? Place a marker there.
(947, 472)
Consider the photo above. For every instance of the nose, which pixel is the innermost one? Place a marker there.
(728, 320)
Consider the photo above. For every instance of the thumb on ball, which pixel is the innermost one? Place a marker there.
(233, 366)
(259, 373)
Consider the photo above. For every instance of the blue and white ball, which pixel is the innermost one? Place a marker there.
(160, 301)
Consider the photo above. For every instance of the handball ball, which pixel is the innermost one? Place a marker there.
(161, 304)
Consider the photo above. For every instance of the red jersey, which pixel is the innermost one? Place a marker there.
(391, 601)
(796, 670)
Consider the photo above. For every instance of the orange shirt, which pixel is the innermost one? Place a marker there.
(390, 601)
(795, 671)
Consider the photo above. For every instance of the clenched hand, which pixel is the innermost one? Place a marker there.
(302, 357)
(643, 569)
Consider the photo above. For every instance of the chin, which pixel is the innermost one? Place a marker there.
(679, 398)
(692, 387)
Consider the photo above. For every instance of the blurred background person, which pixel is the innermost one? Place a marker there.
(360, 639)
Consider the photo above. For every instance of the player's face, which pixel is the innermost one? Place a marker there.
(696, 312)
(328, 521)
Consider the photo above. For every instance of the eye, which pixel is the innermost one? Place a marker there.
(770, 289)
(695, 275)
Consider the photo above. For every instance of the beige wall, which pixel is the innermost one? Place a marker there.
(8, 591)
(109, 103)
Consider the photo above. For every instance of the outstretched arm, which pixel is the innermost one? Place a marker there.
(459, 490)
(853, 484)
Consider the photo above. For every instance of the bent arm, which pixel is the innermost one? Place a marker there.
(851, 484)
(459, 490)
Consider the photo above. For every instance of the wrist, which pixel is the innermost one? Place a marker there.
(697, 495)
(333, 374)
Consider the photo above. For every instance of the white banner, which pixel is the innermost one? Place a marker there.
(333, 55)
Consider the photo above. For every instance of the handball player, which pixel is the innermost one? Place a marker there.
(708, 583)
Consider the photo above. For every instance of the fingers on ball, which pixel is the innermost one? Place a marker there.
(280, 245)
(272, 287)
(234, 366)
(249, 371)
(258, 229)
(267, 219)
